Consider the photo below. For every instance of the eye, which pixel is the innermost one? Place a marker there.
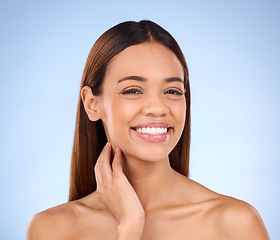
(173, 92)
(132, 91)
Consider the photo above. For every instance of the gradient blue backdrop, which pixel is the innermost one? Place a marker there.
(232, 50)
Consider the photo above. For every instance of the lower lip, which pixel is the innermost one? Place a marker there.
(154, 138)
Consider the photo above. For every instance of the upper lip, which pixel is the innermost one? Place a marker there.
(153, 124)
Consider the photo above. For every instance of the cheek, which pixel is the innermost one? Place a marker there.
(178, 111)
(122, 111)
(118, 116)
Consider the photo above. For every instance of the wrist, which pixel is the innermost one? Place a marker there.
(130, 228)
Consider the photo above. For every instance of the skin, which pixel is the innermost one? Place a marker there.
(140, 196)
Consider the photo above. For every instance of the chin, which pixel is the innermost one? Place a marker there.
(149, 155)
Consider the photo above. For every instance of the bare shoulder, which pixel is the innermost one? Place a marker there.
(232, 218)
(82, 219)
(52, 223)
(240, 220)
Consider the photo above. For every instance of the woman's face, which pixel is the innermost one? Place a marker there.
(142, 105)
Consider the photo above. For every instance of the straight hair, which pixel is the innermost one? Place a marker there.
(89, 136)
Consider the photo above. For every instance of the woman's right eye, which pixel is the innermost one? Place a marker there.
(131, 91)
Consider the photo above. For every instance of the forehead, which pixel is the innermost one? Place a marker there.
(150, 60)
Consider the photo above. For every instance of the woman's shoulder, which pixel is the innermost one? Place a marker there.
(239, 219)
(66, 220)
(235, 218)
(51, 223)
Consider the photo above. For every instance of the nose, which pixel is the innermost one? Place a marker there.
(155, 106)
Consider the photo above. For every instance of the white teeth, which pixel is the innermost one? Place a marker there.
(152, 130)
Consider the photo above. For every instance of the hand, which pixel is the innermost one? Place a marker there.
(115, 191)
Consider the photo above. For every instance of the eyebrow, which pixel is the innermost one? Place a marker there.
(174, 79)
(136, 78)
(142, 79)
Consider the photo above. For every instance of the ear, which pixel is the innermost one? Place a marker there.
(90, 103)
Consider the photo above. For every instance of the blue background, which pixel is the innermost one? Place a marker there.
(232, 50)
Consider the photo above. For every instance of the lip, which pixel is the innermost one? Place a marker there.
(153, 138)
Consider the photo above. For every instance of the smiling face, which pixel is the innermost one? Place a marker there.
(142, 105)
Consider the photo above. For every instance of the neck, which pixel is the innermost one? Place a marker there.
(151, 181)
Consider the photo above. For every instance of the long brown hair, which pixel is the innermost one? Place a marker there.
(90, 137)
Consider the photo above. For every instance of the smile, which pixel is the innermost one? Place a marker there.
(153, 131)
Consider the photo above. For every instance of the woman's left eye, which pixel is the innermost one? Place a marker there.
(173, 92)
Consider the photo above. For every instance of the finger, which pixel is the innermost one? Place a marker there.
(97, 168)
(116, 165)
(106, 169)
(98, 177)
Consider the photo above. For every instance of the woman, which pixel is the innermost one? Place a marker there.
(130, 160)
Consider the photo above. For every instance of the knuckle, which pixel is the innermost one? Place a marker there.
(107, 184)
(114, 165)
(118, 177)
(100, 193)
(96, 167)
(101, 160)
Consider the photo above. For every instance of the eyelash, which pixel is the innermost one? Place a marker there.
(131, 91)
(175, 92)
(137, 91)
